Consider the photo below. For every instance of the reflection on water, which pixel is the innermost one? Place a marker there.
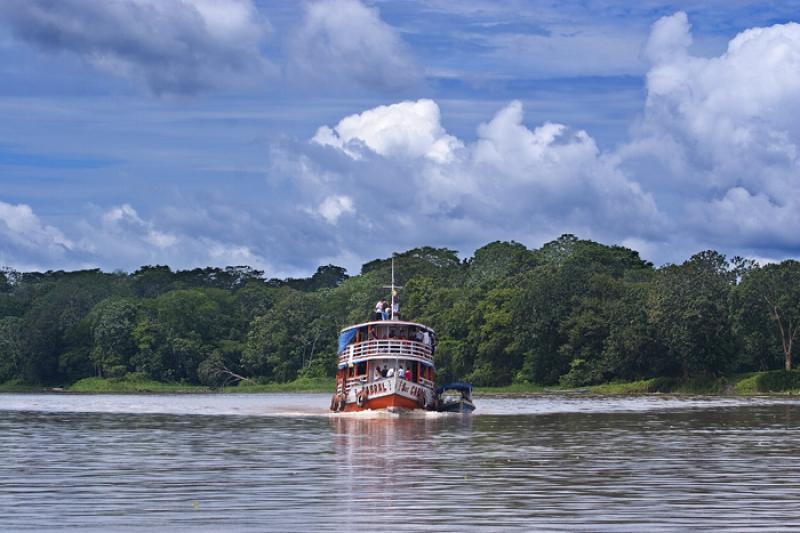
(631, 464)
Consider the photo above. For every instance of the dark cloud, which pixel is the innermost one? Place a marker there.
(172, 46)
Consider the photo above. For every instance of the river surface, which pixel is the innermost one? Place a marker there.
(281, 462)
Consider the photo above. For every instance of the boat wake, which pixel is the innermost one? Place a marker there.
(316, 405)
(390, 414)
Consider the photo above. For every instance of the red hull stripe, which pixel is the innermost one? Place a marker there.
(392, 400)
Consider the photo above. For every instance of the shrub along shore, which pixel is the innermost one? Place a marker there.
(776, 382)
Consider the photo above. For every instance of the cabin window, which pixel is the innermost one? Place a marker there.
(400, 332)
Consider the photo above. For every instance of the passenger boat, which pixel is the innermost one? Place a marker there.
(385, 364)
(455, 397)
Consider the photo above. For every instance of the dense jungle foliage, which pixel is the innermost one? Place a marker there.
(573, 312)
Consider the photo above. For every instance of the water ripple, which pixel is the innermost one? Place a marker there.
(87, 463)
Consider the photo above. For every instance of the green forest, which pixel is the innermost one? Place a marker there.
(572, 313)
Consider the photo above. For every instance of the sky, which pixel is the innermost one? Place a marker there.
(286, 135)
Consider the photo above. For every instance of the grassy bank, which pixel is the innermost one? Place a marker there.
(755, 383)
(515, 388)
(775, 382)
(122, 385)
(137, 384)
(705, 385)
(16, 386)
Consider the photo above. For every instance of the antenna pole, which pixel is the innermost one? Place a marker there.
(393, 291)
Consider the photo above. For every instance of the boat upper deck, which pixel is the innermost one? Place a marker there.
(390, 324)
(386, 339)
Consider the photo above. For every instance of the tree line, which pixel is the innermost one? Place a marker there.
(573, 312)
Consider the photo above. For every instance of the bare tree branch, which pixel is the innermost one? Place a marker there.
(224, 370)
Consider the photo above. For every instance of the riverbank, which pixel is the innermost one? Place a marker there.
(139, 385)
(755, 383)
(15, 386)
(125, 385)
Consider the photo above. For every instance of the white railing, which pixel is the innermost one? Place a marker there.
(402, 349)
(357, 381)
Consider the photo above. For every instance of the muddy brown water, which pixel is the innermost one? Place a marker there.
(281, 462)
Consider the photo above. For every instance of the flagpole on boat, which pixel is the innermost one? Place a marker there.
(394, 288)
(393, 291)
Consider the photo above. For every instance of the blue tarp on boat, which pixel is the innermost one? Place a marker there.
(345, 338)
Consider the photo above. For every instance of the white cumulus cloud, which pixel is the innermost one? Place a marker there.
(344, 43)
(405, 129)
(25, 238)
(713, 162)
(124, 238)
(417, 182)
(19, 221)
(335, 206)
(719, 138)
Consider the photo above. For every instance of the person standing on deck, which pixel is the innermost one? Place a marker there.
(426, 338)
(380, 309)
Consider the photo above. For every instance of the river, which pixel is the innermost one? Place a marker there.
(281, 462)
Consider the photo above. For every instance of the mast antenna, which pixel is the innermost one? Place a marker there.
(394, 288)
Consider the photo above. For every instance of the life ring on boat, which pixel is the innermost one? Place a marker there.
(361, 397)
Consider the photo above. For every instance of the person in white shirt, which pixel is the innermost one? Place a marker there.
(426, 338)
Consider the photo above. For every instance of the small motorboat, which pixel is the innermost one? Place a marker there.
(455, 397)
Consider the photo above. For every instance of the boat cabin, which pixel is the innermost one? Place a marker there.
(373, 352)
